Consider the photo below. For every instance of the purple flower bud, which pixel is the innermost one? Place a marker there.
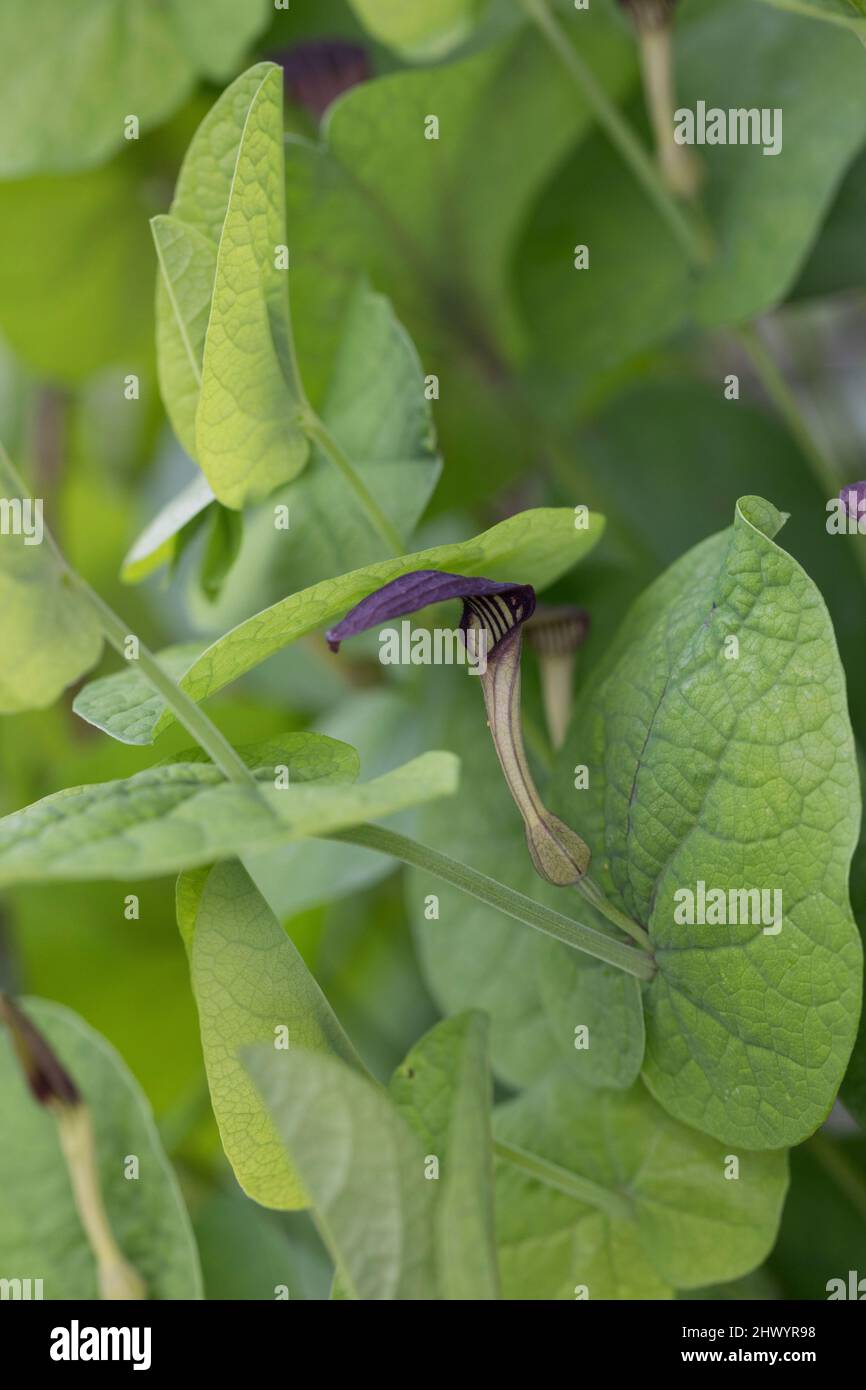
(499, 607)
(318, 72)
(49, 1082)
(853, 496)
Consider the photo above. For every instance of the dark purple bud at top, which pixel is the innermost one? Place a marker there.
(853, 496)
(49, 1082)
(316, 73)
(499, 607)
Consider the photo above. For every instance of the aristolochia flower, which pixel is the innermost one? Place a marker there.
(493, 618)
(853, 498)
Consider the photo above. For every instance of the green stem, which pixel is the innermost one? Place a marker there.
(494, 894)
(839, 1167)
(693, 242)
(572, 1184)
(185, 710)
(594, 895)
(319, 433)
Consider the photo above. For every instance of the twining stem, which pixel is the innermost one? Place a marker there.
(185, 710)
(825, 472)
(693, 241)
(319, 433)
(839, 1167)
(572, 1184)
(497, 895)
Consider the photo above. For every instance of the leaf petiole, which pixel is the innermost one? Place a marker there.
(507, 900)
(572, 1184)
(318, 432)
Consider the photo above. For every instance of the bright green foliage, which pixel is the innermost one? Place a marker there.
(640, 1205)
(764, 211)
(420, 31)
(443, 1090)
(72, 76)
(401, 1183)
(227, 365)
(731, 765)
(183, 814)
(49, 635)
(362, 1168)
(251, 986)
(40, 1230)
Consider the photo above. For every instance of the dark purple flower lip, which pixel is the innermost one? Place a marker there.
(49, 1081)
(853, 495)
(501, 608)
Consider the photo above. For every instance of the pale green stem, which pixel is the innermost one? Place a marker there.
(184, 709)
(572, 1184)
(496, 895)
(692, 240)
(321, 435)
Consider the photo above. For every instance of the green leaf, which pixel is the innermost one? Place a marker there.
(764, 212)
(362, 1168)
(537, 991)
(215, 33)
(378, 198)
(187, 266)
(375, 408)
(40, 1230)
(534, 547)
(636, 1206)
(182, 814)
(420, 32)
(72, 295)
(736, 770)
(49, 634)
(226, 362)
(249, 983)
(848, 13)
(248, 431)
(443, 1090)
(72, 77)
(159, 542)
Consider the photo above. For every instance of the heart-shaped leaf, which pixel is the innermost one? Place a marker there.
(607, 1196)
(721, 757)
(40, 1230)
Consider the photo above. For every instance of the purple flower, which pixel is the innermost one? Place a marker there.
(498, 607)
(853, 495)
(499, 611)
(49, 1082)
